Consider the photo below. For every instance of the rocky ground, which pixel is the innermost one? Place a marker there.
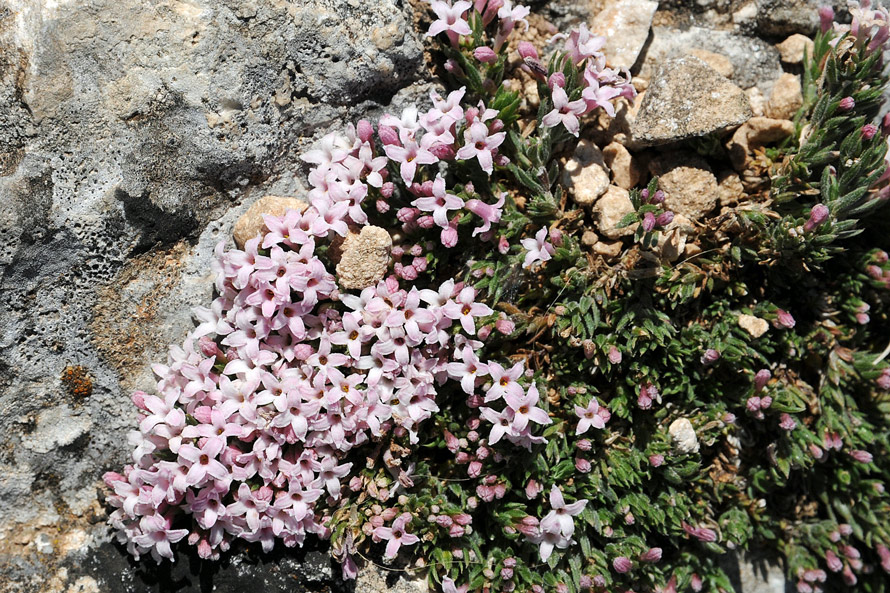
(134, 135)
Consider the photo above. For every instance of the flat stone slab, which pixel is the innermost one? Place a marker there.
(688, 99)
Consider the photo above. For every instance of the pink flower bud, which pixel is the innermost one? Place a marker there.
(420, 264)
(765, 402)
(826, 17)
(138, 399)
(786, 422)
(753, 404)
(364, 130)
(556, 237)
(503, 245)
(696, 583)
(656, 460)
(652, 555)
(387, 189)
(485, 54)
(710, 357)
(528, 50)
(614, 355)
(505, 326)
(648, 222)
(484, 332)
(557, 79)
(382, 206)
(456, 531)
(761, 379)
(449, 237)
(532, 489)
(847, 103)
(861, 456)
(388, 135)
(454, 68)
(834, 563)
(658, 197)
(622, 564)
(582, 465)
(665, 218)
(785, 319)
(818, 215)
(869, 131)
(584, 445)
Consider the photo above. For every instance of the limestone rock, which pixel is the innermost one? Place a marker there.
(718, 62)
(755, 326)
(683, 435)
(688, 99)
(758, 131)
(624, 167)
(754, 62)
(730, 190)
(625, 25)
(786, 97)
(589, 238)
(792, 49)
(783, 17)
(251, 222)
(689, 185)
(585, 174)
(757, 101)
(365, 258)
(610, 209)
(608, 249)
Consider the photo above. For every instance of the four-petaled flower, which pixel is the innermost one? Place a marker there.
(396, 535)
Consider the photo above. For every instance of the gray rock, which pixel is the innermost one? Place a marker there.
(784, 17)
(625, 25)
(755, 62)
(132, 136)
(687, 99)
(690, 187)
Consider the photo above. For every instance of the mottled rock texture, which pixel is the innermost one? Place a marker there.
(132, 137)
(688, 99)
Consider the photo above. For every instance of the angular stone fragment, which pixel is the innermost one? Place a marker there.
(683, 435)
(608, 249)
(610, 209)
(731, 191)
(754, 61)
(585, 174)
(757, 101)
(625, 25)
(753, 325)
(689, 185)
(251, 222)
(758, 131)
(622, 164)
(718, 62)
(688, 99)
(791, 50)
(365, 258)
(786, 98)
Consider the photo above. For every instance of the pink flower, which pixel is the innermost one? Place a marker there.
(155, 534)
(439, 203)
(589, 417)
(786, 422)
(410, 155)
(581, 45)
(450, 19)
(538, 250)
(525, 409)
(396, 535)
(502, 423)
(464, 308)
(564, 112)
(467, 371)
(481, 144)
(489, 213)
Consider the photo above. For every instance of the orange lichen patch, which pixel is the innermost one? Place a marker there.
(128, 309)
(77, 382)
